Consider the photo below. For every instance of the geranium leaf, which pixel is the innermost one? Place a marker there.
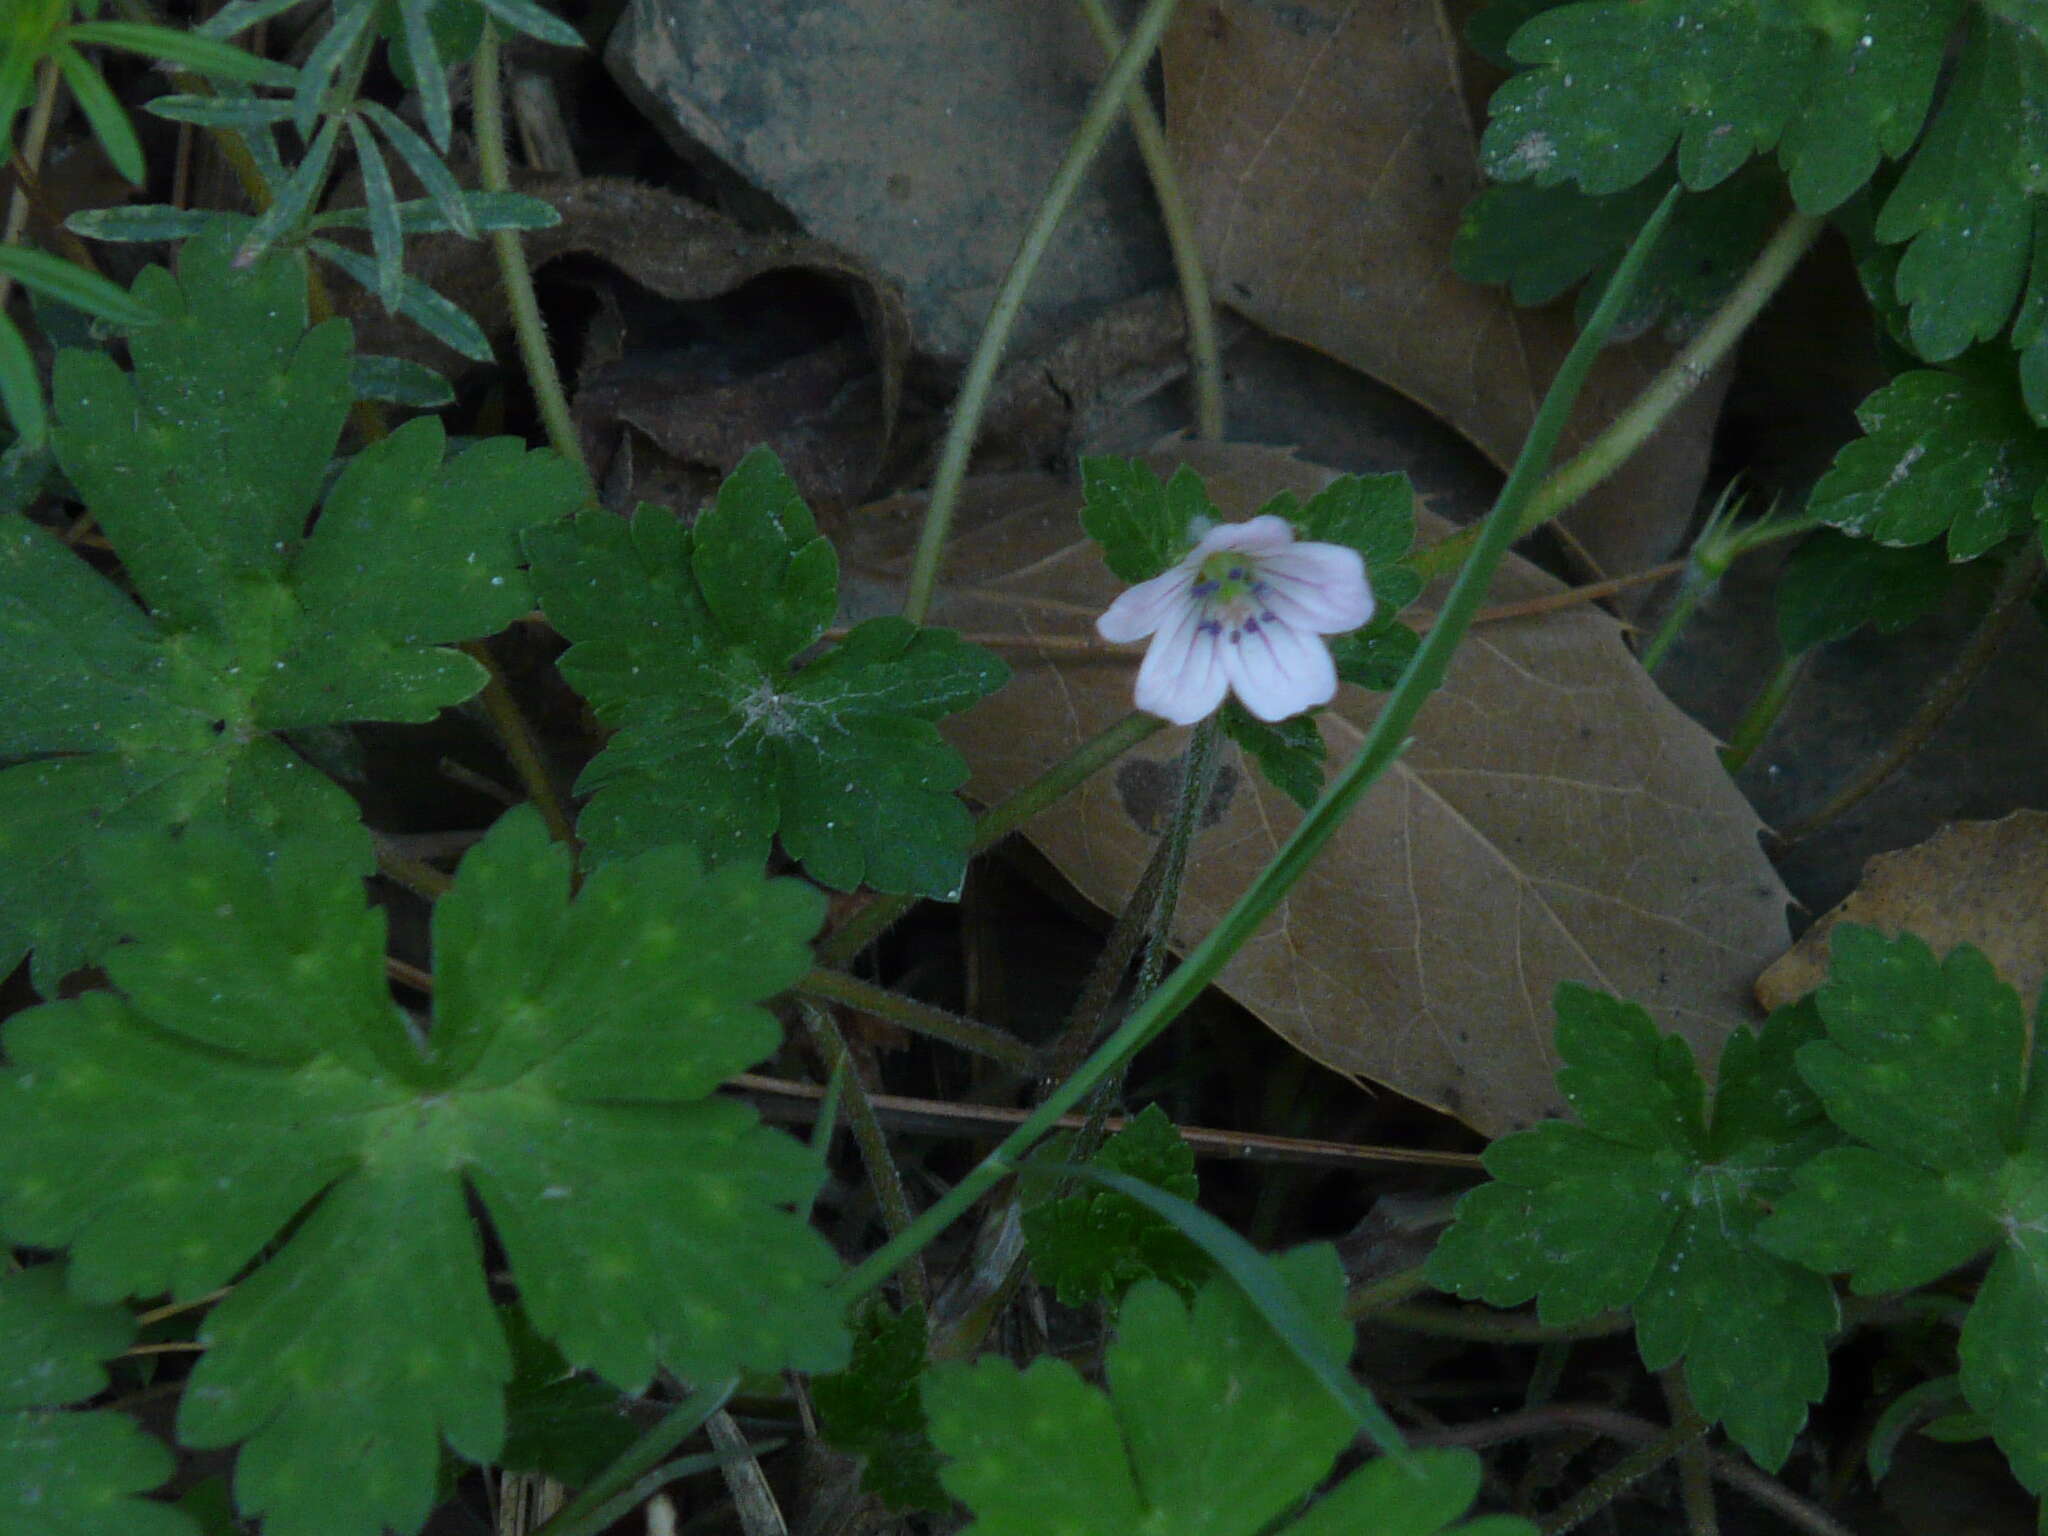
(195, 1123)
(689, 642)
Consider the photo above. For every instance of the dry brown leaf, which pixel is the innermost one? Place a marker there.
(1329, 152)
(1556, 818)
(667, 244)
(1973, 882)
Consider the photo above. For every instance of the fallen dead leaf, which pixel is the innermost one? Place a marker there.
(1556, 818)
(1329, 151)
(1973, 882)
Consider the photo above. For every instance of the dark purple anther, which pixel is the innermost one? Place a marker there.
(1209, 627)
(1205, 589)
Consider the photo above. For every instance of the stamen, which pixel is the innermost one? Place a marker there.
(1237, 573)
(1205, 588)
(1252, 625)
(1209, 627)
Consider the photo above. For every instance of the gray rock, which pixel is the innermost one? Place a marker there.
(917, 137)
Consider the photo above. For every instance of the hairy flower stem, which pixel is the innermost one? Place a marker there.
(998, 822)
(951, 475)
(920, 1018)
(885, 1179)
(1384, 742)
(496, 173)
(2008, 607)
(1205, 356)
(1664, 394)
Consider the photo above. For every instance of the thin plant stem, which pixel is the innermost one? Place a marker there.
(1695, 1469)
(919, 1018)
(1205, 356)
(1712, 554)
(605, 1498)
(522, 750)
(1061, 779)
(1389, 1290)
(1569, 1418)
(1486, 1326)
(1762, 714)
(1619, 1478)
(1384, 742)
(1085, 1022)
(884, 1178)
(416, 875)
(35, 135)
(951, 475)
(2008, 607)
(781, 1099)
(1664, 394)
(1198, 778)
(495, 171)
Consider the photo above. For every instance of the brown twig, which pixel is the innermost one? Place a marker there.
(517, 738)
(779, 1099)
(1559, 1418)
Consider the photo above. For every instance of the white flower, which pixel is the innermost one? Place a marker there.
(1245, 611)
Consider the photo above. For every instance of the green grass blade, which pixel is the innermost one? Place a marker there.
(428, 72)
(240, 15)
(71, 284)
(351, 20)
(203, 55)
(1262, 1286)
(21, 392)
(524, 16)
(219, 111)
(442, 189)
(299, 193)
(380, 198)
(109, 123)
(417, 302)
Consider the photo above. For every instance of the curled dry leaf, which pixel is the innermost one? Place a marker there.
(1328, 150)
(1556, 818)
(1973, 882)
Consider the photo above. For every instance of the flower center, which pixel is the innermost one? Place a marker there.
(1232, 595)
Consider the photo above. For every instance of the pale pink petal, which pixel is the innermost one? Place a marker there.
(1142, 609)
(1259, 536)
(1277, 670)
(1318, 587)
(1181, 678)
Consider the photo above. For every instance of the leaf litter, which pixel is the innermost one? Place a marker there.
(1556, 818)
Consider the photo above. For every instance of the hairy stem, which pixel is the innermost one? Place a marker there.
(2008, 607)
(884, 1178)
(951, 475)
(1205, 356)
(1663, 395)
(496, 173)
(920, 1018)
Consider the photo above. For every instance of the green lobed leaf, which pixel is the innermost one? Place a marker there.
(1143, 525)
(1205, 1429)
(1649, 1205)
(1617, 83)
(1943, 454)
(687, 641)
(1290, 754)
(203, 466)
(1967, 201)
(1542, 241)
(175, 1132)
(1924, 1058)
(872, 1409)
(1095, 1244)
(70, 1473)
(1925, 1062)
(1834, 584)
